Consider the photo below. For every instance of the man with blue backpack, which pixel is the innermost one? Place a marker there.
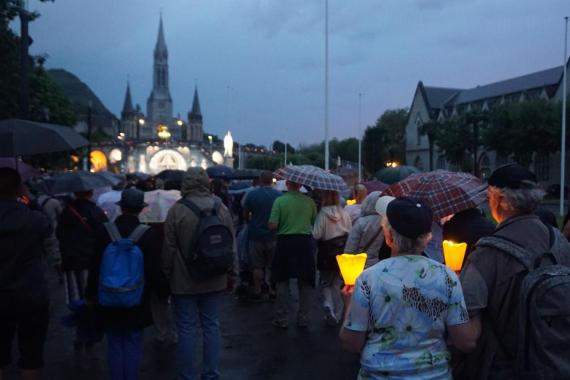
(125, 269)
(516, 284)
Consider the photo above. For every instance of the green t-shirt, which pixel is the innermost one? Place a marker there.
(294, 213)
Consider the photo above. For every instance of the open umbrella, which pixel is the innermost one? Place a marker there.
(73, 182)
(24, 138)
(311, 176)
(115, 179)
(445, 192)
(393, 175)
(159, 202)
(375, 185)
(220, 171)
(26, 171)
(171, 175)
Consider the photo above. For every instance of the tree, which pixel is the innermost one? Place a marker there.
(521, 129)
(279, 147)
(264, 162)
(385, 141)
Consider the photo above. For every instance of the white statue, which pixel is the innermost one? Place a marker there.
(228, 145)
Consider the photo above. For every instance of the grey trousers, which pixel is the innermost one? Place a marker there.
(163, 317)
(282, 302)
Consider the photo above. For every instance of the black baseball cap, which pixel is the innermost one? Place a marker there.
(409, 217)
(513, 176)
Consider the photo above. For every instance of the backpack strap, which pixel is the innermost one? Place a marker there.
(193, 207)
(138, 232)
(113, 231)
(509, 247)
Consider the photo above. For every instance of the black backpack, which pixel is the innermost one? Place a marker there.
(212, 249)
(544, 308)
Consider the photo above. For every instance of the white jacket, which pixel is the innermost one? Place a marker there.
(331, 222)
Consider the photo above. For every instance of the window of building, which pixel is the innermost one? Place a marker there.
(418, 163)
(441, 163)
(419, 123)
(485, 166)
(542, 166)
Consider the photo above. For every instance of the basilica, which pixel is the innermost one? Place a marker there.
(157, 140)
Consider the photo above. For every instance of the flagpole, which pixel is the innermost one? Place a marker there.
(563, 126)
(359, 137)
(327, 85)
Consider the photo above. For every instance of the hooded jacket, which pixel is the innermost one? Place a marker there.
(331, 222)
(367, 231)
(22, 263)
(179, 231)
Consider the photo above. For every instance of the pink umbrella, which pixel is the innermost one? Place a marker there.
(26, 171)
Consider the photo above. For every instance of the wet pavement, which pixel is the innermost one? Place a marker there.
(252, 348)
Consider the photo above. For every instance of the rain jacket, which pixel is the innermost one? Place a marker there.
(179, 230)
(22, 265)
(366, 231)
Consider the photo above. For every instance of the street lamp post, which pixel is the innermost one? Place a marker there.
(327, 85)
(360, 137)
(183, 131)
(140, 124)
(563, 126)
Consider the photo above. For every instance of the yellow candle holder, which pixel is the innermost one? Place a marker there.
(351, 266)
(454, 254)
(350, 202)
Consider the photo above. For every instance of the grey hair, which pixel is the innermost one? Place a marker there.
(525, 201)
(406, 244)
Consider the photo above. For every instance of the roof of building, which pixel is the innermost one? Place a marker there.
(514, 85)
(438, 96)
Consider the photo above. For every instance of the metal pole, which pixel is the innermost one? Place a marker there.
(360, 137)
(89, 131)
(563, 140)
(285, 153)
(327, 85)
(24, 64)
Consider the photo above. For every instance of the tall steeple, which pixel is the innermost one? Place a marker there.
(195, 130)
(128, 103)
(159, 103)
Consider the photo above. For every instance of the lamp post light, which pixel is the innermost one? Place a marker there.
(210, 139)
(140, 124)
(183, 131)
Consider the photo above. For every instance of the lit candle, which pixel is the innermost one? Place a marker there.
(454, 253)
(351, 266)
(350, 202)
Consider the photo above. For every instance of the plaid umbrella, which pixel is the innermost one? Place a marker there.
(375, 185)
(393, 175)
(445, 192)
(311, 176)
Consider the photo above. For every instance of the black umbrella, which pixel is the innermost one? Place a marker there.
(220, 171)
(245, 174)
(171, 175)
(115, 179)
(24, 138)
(77, 181)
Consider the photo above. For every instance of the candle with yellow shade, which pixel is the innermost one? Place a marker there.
(350, 202)
(454, 253)
(351, 266)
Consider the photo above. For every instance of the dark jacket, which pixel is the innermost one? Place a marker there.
(22, 261)
(150, 245)
(468, 226)
(491, 281)
(77, 235)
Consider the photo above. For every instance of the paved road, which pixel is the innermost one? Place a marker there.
(251, 349)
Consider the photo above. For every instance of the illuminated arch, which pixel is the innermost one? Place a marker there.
(167, 159)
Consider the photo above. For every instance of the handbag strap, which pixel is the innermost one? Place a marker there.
(81, 219)
(369, 244)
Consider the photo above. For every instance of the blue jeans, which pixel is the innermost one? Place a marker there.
(125, 348)
(191, 313)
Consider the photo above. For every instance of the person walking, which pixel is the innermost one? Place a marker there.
(196, 299)
(76, 234)
(366, 235)
(331, 230)
(24, 300)
(400, 312)
(292, 216)
(124, 325)
(359, 193)
(257, 209)
(493, 278)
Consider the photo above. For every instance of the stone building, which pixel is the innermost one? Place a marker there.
(432, 103)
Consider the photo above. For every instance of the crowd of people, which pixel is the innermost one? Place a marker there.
(409, 316)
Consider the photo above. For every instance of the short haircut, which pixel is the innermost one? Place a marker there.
(266, 177)
(524, 201)
(10, 182)
(406, 244)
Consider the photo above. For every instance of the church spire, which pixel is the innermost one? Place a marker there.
(196, 112)
(160, 41)
(128, 103)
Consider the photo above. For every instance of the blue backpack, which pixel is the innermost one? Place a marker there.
(121, 277)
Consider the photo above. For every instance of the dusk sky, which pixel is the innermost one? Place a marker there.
(271, 54)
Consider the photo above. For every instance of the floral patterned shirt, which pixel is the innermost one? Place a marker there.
(404, 304)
